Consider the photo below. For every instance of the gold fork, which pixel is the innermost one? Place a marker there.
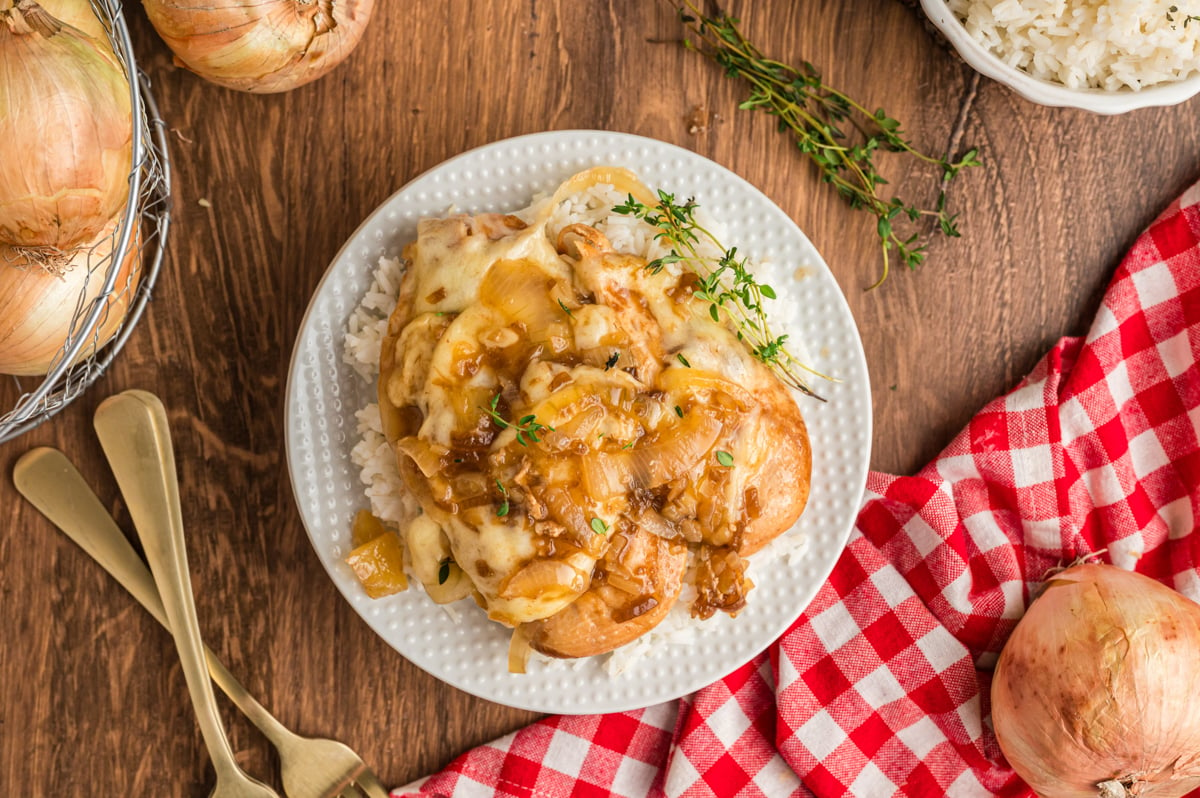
(139, 451)
(310, 768)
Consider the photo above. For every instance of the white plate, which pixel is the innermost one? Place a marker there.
(323, 392)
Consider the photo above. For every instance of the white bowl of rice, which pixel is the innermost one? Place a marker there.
(1104, 56)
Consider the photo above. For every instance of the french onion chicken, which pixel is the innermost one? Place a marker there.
(583, 439)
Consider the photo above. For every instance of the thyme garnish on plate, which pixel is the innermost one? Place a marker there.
(502, 510)
(527, 427)
(818, 118)
(726, 283)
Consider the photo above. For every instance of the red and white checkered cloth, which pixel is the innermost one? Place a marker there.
(881, 687)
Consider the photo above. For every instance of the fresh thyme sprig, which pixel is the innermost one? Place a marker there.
(527, 427)
(726, 282)
(817, 117)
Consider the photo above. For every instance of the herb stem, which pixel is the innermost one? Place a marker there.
(814, 113)
(526, 427)
(726, 283)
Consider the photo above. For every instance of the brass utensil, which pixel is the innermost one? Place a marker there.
(134, 435)
(310, 768)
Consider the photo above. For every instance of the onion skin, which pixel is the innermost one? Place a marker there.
(36, 306)
(1094, 693)
(260, 47)
(78, 14)
(67, 127)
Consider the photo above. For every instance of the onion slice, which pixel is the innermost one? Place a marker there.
(661, 459)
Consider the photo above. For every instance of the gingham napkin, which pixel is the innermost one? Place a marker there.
(881, 687)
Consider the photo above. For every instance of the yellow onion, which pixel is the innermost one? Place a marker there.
(1094, 694)
(38, 304)
(261, 46)
(67, 128)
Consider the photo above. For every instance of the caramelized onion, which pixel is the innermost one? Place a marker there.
(561, 405)
(621, 179)
(657, 462)
(644, 576)
(653, 522)
(582, 425)
(432, 561)
(521, 291)
(689, 381)
(624, 583)
(544, 580)
(518, 650)
(567, 510)
(721, 582)
(428, 456)
(605, 475)
(580, 240)
(457, 586)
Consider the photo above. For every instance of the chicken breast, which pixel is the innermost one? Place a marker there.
(577, 428)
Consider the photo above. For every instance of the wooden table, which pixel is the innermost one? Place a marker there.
(92, 700)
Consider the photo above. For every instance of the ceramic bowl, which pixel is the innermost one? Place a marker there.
(1047, 92)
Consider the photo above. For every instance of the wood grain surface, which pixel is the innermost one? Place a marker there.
(266, 189)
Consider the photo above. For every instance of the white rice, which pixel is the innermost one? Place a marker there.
(1100, 44)
(376, 461)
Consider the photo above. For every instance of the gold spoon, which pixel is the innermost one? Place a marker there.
(136, 439)
(311, 767)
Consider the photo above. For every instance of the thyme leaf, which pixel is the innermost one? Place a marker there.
(527, 427)
(502, 510)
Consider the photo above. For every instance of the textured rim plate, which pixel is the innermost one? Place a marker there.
(323, 393)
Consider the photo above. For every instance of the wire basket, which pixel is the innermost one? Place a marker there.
(142, 228)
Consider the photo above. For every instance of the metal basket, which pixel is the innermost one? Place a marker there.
(150, 203)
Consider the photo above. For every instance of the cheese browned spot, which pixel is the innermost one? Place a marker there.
(536, 395)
